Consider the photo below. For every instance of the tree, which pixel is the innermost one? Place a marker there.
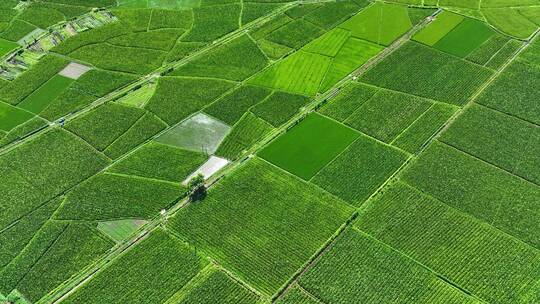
(197, 188)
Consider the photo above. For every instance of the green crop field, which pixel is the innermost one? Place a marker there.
(269, 151)
(309, 146)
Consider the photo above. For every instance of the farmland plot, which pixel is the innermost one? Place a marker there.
(442, 238)
(425, 72)
(159, 161)
(231, 107)
(236, 60)
(359, 170)
(200, 133)
(505, 141)
(350, 98)
(380, 23)
(279, 107)
(309, 146)
(169, 263)
(513, 91)
(103, 125)
(479, 189)
(213, 286)
(42, 168)
(387, 114)
(359, 268)
(177, 98)
(76, 247)
(110, 196)
(300, 73)
(246, 132)
(265, 215)
(296, 295)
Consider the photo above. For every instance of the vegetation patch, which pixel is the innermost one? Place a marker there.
(465, 38)
(158, 161)
(177, 98)
(231, 107)
(425, 72)
(309, 146)
(236, 60)
(387, 114)
(300, 73)
(279, 107)
(375, 274)
(266, 214)
(479, 189)
(168, 262)
(413, 223)
(381, 23)
(359, 170)
(111, 196)
(243, 135)
(505, 141)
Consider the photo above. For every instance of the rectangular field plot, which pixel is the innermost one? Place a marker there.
(245, 133)
(381, 23)
(300, 73)
(465, 38)
(438, 28)
(213, 286)
(360, 269)
(44, 95)
(490, 264)
(200, 133)
(236, 60)
(426, 72)
(69, 249)
(330, 43)
(159, 161)
(110, 196)
(231, 107)
(387, 114)
(514, 90)
(350, 98)
(168, 262)
(309, 146)
(479, 189)
(41, 169)
(177, 98)
(426, 126)
(264, 216)
(11, 116)
(103, 125)
(359, 170)
(279, 107)
(353, 54)
(505, 141)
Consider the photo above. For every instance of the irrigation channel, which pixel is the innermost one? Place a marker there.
(68, 287)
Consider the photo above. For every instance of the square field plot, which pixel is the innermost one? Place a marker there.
(438, 28)
(309, 146)
(200, 133)
(261, 223)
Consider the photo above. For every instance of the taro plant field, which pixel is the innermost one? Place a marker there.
(269, 151)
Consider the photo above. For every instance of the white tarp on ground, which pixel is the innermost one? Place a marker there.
(211, 166)
(74, 70)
